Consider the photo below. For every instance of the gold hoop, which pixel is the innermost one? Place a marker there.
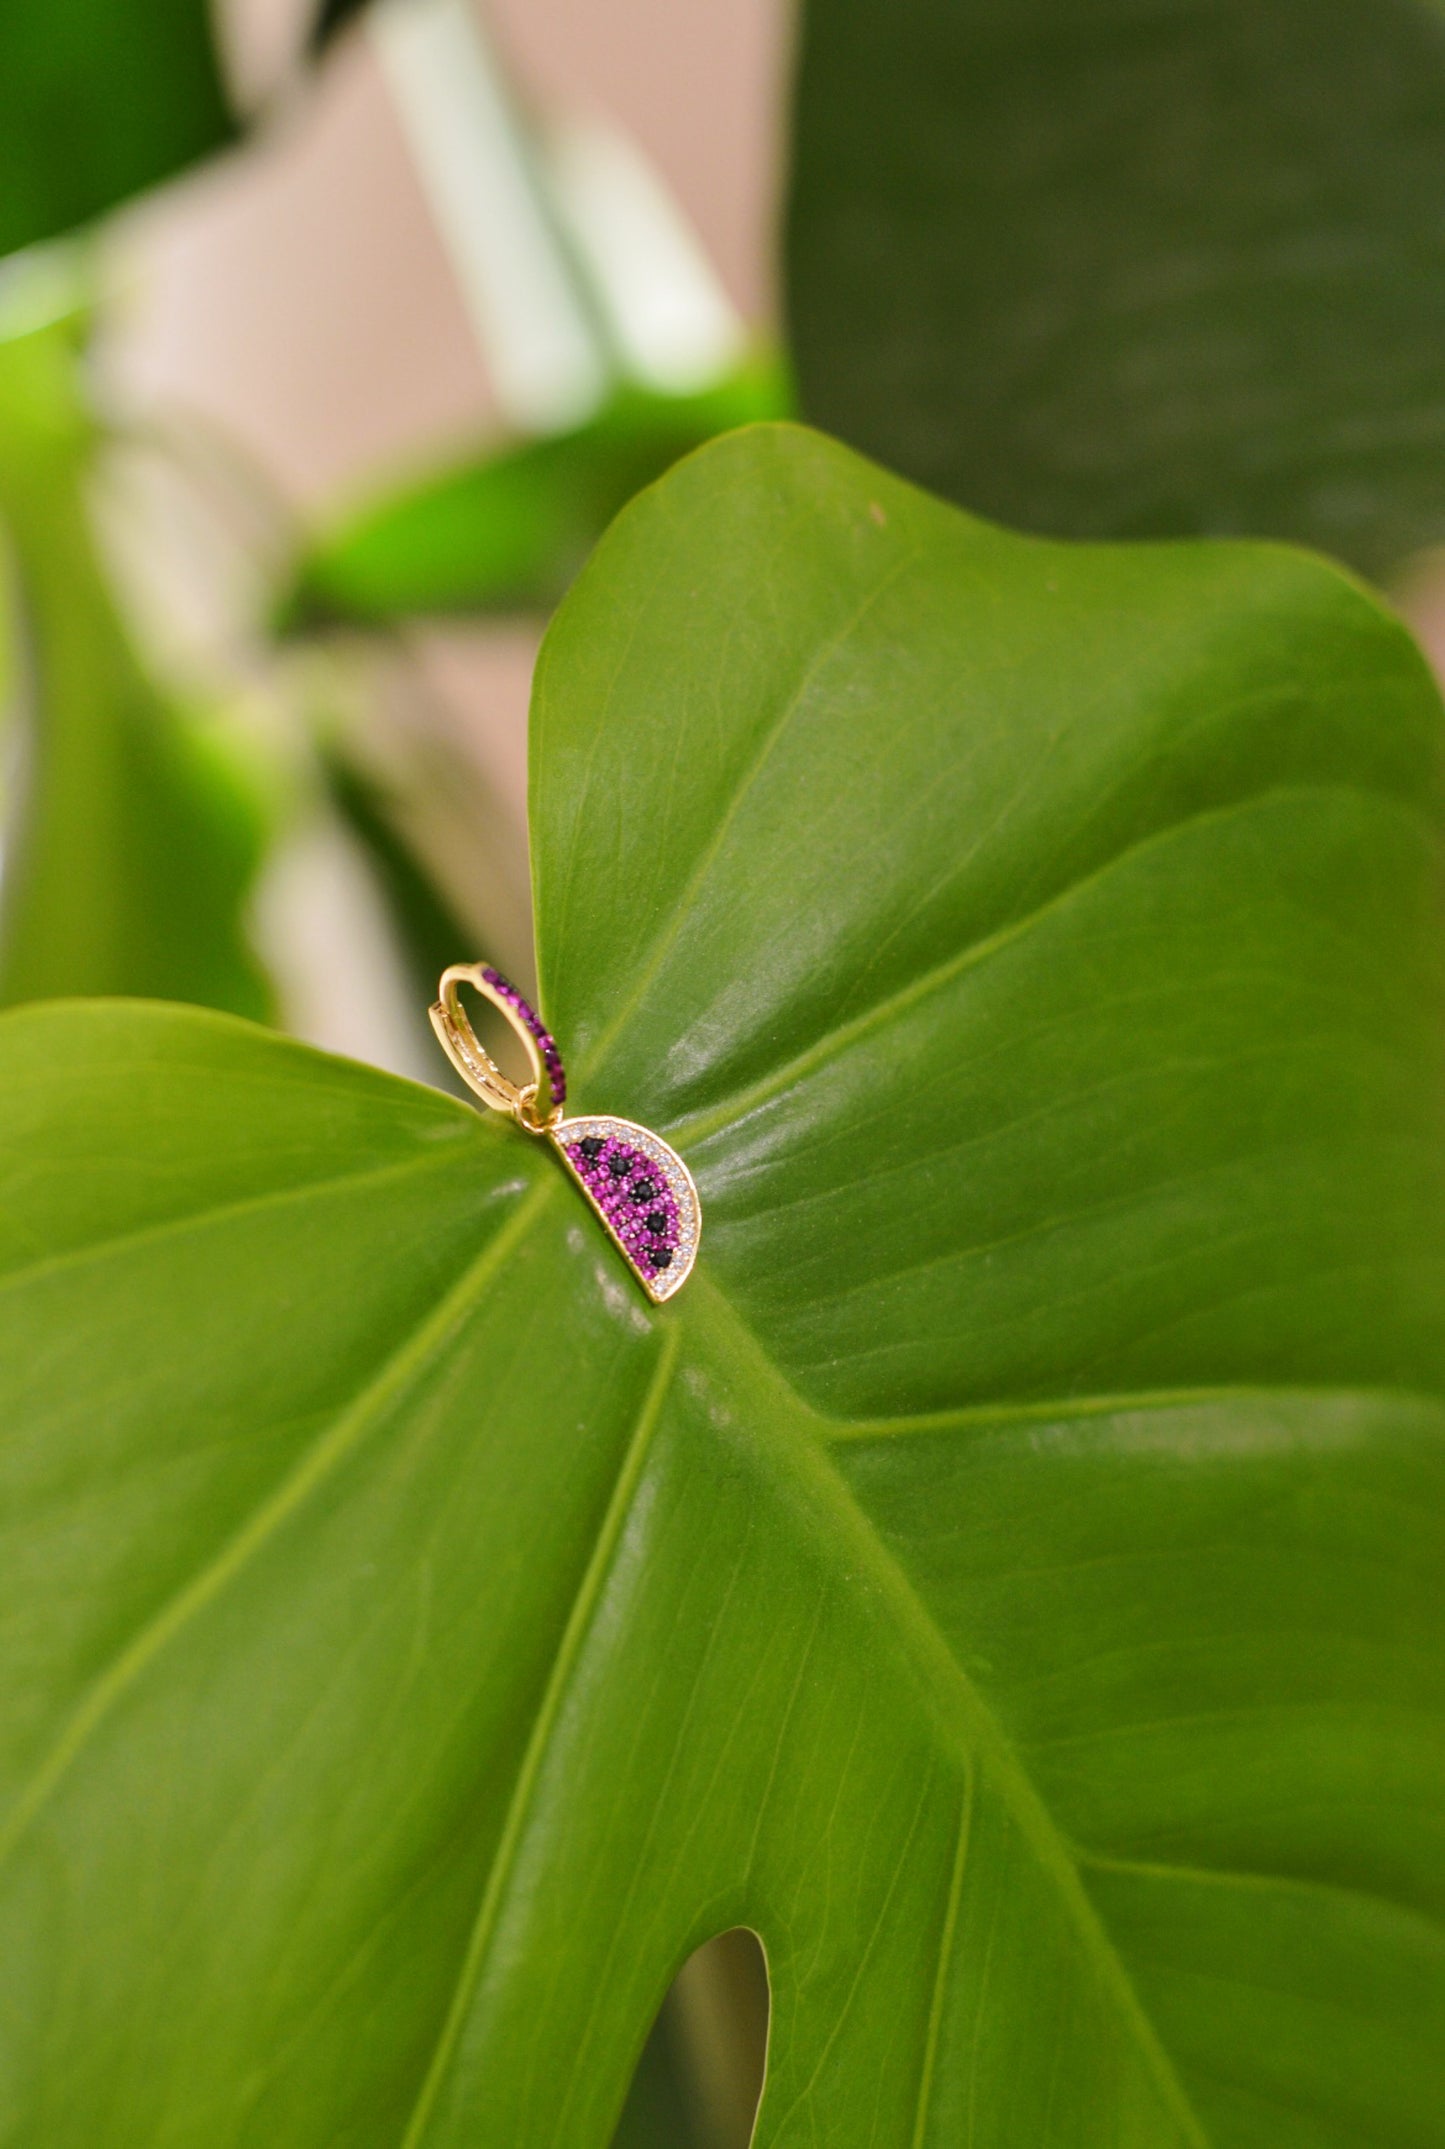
(476, 1066)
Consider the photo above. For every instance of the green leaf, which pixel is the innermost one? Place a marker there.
(1105, 268)
(508, 533)
(132, 840)
(98, 102)
(1007, 1576)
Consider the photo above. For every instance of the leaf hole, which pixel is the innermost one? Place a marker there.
(700, 2078)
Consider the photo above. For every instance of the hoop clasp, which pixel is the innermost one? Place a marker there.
(535, 1105)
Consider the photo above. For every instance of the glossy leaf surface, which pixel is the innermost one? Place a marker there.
(507, 533)
(1006, 1578)
(1129, 268)
(131, 839)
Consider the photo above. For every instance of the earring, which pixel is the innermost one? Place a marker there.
(641, 1189)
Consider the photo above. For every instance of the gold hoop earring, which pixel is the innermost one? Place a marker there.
(638, 1186)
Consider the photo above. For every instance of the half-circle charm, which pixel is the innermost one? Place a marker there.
(642, 1191)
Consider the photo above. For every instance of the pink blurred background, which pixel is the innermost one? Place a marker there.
(299, 293)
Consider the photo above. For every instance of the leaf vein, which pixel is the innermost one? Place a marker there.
(336, 1441)
(574, 1634)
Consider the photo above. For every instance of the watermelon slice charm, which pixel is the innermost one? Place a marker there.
(643, 1193)
(641, 1189)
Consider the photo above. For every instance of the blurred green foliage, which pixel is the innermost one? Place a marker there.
(99, 99)
(1125, 268)
(132, 835)
(508, 532)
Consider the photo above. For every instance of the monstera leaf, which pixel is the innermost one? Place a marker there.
(1131, 268)
(1006, 1577)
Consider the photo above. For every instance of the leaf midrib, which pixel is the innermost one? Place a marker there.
(160, 1229)
(809, 1445)
(681, 905)
(806, 1437)
(554, 1693)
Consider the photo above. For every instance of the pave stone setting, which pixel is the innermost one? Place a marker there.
(643, 1193)
(546, 1042)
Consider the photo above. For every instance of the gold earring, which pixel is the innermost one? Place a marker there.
(639, 1187)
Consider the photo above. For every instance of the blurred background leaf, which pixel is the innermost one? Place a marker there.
(1112, 268)
(99, 99)
(430, 927)
(507, 532)
(133, 835)
(610, 344)
(333, 15)
(132, 848)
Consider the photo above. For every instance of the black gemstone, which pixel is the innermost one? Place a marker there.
(659, 1257)
(591, 1147)
(643, 1189)
(619, 1166)
(656, 1223)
